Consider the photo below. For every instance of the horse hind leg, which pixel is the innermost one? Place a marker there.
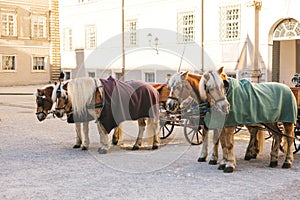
(275, 145)
(117, 136)
(256, 143)
(86, 137)
(78, 139)
(138, 143)
(289, 131)
(104, 145)
(155, 132)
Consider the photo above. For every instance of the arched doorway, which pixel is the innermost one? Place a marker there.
(286, 50)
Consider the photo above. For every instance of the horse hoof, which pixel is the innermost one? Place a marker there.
(286, 165)
(102, 151)
(76, 146)
(201, 159)
(84, 148)
(247, 158)
(154, 147)
(228, 170)
(212, 162)
(221, 167)
(115, 141)
(274, 164)
(134, 148)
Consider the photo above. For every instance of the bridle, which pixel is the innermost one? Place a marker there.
(182, 86)
(216, 87)
(64, 98)
(40, 100)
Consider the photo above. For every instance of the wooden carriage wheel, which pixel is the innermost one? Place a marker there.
(192, 131)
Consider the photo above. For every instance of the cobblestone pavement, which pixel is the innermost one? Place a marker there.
(37, 162)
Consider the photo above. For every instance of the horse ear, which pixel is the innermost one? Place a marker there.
(55, 82)
(221, 70)
(65, 86)
(39, 91)
(206, 76)
(184, 75)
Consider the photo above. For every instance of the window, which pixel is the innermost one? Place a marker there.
(67, 39)
(38, 26)
(287, 30)
(91, 74)
(230, 23)
(149, 77)
(38, 63)
(67, 75)
(9, 24)
(185, 27)
(8, 63)
(90, 37)
(118, 75)
(131, 28)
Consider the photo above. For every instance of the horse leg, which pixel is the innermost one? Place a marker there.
(204, 149)
(138, 142)
(117, 136)
(86, 137)
(215, 154)
(78, 141)
(104, 145)
(227, 140)
(252, 149)
(289, 157)
(275, 145)
(154, 124)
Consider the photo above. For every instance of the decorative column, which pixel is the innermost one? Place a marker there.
(55, 64)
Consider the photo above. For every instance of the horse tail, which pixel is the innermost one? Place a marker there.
(81, 92)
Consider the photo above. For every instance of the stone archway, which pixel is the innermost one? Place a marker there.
(286, 47)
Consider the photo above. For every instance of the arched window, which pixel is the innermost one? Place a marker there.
(288, 29)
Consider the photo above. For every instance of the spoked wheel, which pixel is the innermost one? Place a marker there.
(166, 128)
(296, 142)
(192, 131)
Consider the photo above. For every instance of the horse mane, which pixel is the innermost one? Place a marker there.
(194, 80)
(45, 90)
(81, 92)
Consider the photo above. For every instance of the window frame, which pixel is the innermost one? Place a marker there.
(145, 76)
(15, 62)
(67, 39)
(230, 25)
(89, 36)
(35, 20)
(5, 32)
(186, 30)
(32, 63)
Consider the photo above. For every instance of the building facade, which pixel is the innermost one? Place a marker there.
(257, 40)
(29, 42)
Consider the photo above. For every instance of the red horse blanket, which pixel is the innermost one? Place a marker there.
(130, 100)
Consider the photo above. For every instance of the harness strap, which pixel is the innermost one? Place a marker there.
(278, 132)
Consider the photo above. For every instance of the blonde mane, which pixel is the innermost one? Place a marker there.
(81, 92)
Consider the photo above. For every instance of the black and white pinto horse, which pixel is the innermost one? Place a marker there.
(110, 102)
(277, 104)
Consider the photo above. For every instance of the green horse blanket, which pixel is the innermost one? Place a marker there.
(255, 103)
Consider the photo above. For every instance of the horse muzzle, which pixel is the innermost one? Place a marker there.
(41, 116)
(59, 114)
(171, 105)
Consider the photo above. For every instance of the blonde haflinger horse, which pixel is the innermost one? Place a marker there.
(110, 102)
(243, 102)
(184, 85)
